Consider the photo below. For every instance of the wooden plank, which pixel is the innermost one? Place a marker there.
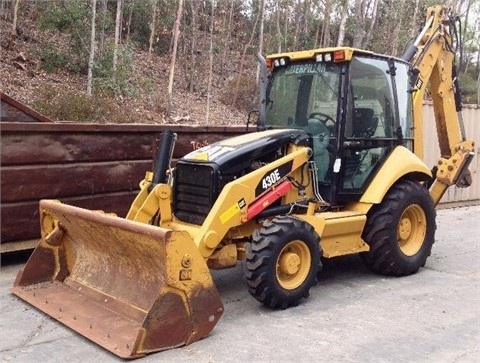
(20, 221)
(22, 183)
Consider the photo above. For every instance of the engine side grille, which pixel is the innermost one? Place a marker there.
(194, 192)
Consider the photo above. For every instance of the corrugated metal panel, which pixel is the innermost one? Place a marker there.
(471, 119)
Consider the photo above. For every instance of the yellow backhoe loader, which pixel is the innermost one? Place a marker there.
(335, 168)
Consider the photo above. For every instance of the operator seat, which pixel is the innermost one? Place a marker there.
(364, 123)
(364, 126)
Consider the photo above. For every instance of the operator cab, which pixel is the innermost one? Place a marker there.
(356, 106)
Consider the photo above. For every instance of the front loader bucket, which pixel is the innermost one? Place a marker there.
(130, 287)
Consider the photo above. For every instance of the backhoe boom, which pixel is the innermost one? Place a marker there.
(433, 63)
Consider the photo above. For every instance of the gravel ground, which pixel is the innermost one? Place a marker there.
(352, 315)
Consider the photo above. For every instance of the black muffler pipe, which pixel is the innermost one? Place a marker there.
(164, 156)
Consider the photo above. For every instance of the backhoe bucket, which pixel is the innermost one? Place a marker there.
(130, 287)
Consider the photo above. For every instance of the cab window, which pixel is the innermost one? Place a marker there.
(370, 120)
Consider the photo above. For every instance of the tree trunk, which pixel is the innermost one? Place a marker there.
(193, 59)
(285, 29)
(478, 64)
(242, 61)
(176, 34)
(478, 81)
(464, 31)
(260, 36)
(15, 18)
(152, 28)
(117, 35)
(400, 6)
(103, 11)
(369, 34)
(325, 37)
(317, 34)
(307, 11)
(92, 49)
(279, 31)
(227, 41)
(360, 14)
(343, 24)
(298, 20)
(414, 30)
(210, 65)
(457, 5)
(129, 23)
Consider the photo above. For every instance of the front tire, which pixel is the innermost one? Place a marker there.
(400, 230)
(282, 262)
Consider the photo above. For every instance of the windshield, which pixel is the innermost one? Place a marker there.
(302, 91)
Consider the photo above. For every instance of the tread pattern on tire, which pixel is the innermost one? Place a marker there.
(262, 253)
(385, 256)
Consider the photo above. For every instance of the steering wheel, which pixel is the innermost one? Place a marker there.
(323, 117)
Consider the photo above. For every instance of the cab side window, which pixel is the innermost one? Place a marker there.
(371, 117)
(373, 101)
(404, 97)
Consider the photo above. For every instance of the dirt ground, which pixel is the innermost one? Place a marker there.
(352, 314)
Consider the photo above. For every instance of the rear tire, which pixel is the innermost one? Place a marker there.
(282, 262)
(400, 230)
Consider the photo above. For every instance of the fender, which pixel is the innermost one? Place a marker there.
(398, 164)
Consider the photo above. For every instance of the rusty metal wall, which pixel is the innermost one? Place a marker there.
(471, 119)
(24, 144)
(15, 111)
(93, 166)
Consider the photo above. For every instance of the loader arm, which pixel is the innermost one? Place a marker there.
(238, 203)
(433, 63)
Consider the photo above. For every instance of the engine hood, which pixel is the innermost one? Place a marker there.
(246, 147)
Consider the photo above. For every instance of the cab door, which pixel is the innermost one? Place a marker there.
(378, 118)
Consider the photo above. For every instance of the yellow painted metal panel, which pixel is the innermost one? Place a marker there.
(340, 232)
(400, 162)
(308, 54)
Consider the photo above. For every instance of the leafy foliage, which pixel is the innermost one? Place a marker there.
(53, 59)
(64, 16)
(119, 81)
(141, 20)
(383, 26)
(247, 93)
(71, 105)
(69, 17)
(468, 87)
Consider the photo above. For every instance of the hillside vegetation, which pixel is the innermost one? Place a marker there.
(46, 47)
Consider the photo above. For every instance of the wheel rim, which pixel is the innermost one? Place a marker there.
(293, 264)
(412, 229)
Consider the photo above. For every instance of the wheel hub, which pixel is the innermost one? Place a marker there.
(405, 228)
(411, 230)
(290, 263)
(293, 264)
